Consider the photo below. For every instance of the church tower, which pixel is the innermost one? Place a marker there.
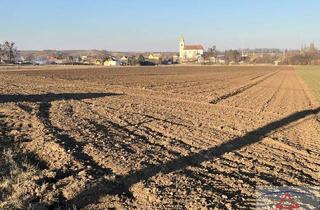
(181, 46)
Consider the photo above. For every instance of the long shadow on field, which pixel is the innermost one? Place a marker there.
(122, 184)
(74, 147)
(49, 97)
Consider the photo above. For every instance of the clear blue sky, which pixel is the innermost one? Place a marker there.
(142, 25)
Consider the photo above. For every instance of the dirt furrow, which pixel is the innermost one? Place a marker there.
(240, 90)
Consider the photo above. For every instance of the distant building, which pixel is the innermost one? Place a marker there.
(189, 52)
(54, 60)
(61, 61)
(154, 56)
(111, 62)
(220, 59)
(124, 59)
(212, 59)
(276, 63)
(175, 58)
(84, 60)
(40, 61)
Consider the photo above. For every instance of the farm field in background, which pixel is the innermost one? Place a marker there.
(156, 137)
(311, 76)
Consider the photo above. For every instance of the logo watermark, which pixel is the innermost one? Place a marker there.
(287, 198)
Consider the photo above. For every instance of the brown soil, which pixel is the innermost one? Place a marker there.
(162, 137)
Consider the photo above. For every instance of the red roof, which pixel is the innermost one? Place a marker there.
(193, 47)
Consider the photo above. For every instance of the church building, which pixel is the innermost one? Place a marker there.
(189, 52)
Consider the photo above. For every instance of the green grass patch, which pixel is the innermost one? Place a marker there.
(311, 77)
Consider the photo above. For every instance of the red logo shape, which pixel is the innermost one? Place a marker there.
(287, 199)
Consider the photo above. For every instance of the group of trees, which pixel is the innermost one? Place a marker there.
(232, 56)
(142, 61)
(8, 52)
(302, 59)
(264, 59)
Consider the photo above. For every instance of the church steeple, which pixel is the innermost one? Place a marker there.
(181, 46)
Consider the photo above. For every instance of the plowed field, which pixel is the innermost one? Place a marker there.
(159, 137)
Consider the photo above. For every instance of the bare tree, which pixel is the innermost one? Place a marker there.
(2, 53)
(10, 51)
(232, 55)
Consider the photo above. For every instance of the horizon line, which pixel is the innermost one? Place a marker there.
(143, 51)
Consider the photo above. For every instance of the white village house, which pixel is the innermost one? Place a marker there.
(111, 62)
(189, 52)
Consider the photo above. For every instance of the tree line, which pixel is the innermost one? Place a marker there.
(8, 52)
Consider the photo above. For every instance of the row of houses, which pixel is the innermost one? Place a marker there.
(154, 58)
(122, 60)
(188, 53)
(151, 59)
